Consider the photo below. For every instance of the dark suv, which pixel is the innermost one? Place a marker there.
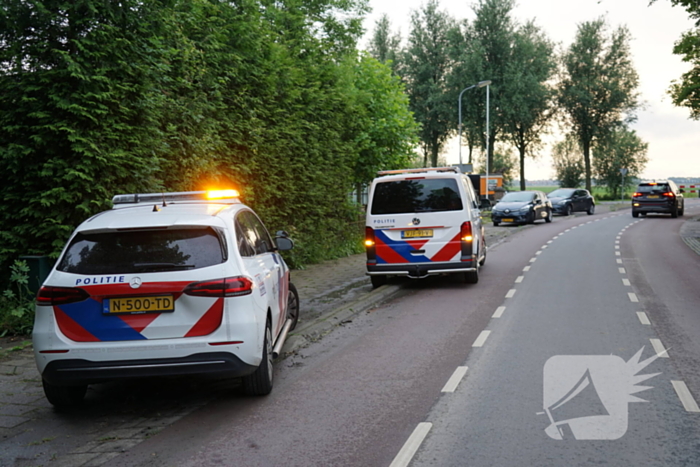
(658, 196)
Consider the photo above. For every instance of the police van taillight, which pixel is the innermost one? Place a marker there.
(227, 287)
(370, 244)
(50, 296)
(466, 234)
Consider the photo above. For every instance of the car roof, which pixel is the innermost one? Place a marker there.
(427, 172)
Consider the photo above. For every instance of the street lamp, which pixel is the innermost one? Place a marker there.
(487, 83)
(480, 84)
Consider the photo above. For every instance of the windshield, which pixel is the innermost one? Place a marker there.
(651, 188)
(518, 197)
(561, 193)
(422, 195)
(143, 251)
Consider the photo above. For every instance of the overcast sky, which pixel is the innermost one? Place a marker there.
(674, 140)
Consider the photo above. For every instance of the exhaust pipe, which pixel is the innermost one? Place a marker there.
(283, 337)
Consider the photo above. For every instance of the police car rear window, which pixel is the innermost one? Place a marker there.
(423, 195)
(143, 251)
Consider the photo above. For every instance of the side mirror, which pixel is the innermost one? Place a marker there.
(284, 243)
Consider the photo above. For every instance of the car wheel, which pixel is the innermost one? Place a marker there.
(531, 217)
(682, 210)
(483, 257)
(591, 209)
(64, 396)
(377, 281)
(548, 218)
(635, 214)
(293, 305)
(259, 383)
(495, 223)
(674, 211)
(569, 209)
(471, 277)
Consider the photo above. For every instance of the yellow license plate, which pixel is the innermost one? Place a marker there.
(507, 220)
(417, 233)
(140, 304)
(652, 196)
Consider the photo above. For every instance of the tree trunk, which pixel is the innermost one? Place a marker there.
(587, 160)
(521, 149)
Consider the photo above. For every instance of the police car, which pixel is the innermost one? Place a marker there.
(161, 285)
(423, 222)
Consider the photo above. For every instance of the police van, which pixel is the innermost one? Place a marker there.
(423, 222)
(163, 285)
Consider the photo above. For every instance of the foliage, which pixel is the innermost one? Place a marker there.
(598, 84)
(425, 66)
(568, 162)
(619, 149)
(504, 163)
(384, 45)
(17, 305)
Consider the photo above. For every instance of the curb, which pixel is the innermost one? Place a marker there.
(318, 328)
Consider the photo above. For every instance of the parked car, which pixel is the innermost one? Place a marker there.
(164, 285)
(522, 207)
(423, 222)
(566, 201)
(662, 196)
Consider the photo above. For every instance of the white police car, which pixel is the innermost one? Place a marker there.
(165, 284)
(423, 222)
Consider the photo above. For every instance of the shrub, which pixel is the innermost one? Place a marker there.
(17, 306)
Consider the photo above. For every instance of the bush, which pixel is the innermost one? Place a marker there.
(17, 306)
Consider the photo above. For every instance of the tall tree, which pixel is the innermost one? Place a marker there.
(384, 45)
(619, 149)
(528, 108)
(598, 86)
(426, 65)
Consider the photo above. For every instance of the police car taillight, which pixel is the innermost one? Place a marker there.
(49, 296)
(466, 232)
(369, 237)
(228, 287)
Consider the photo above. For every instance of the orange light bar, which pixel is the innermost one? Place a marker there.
(222, 194)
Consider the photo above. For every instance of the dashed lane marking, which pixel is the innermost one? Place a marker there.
(643, 318)
(526, 268)
(685, 396)
(622, 270)
(405, 455)
(532, 260)
(499, 312)
(481, 340)
(455, 379)
(510, 293)
(659, 348)
(519, 279)
(626, 282)
(633, 297)
(619, 261)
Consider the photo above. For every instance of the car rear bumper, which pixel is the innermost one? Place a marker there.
(79, 371)
(420, 270)
(652, 207)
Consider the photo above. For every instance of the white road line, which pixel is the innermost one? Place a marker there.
(659, 348)
(453, 382)
(643, 318)
(519, 279)
(626, 282)
(549, 242)
(481, 340)
(633, 297)
(617, 253)
(619, 261)
(685, 396)
(544, 247)
(617, 247)
(405, 455)
(499, 312)
(510, 293)
(617, 242)
(538, 253)
(532, 260)
(526, 268)
(622, 270)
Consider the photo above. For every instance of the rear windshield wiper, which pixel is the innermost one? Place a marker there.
(143, 267)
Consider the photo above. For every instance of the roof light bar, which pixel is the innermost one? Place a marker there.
(413, 171)
(150, 198)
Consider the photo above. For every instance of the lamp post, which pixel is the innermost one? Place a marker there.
(487, 83)
(480, 84)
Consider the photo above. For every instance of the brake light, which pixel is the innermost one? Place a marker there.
(636, 195)
(466, 232)
(50, 296)
(669, 195)
(228, 287)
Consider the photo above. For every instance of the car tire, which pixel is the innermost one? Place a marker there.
(495, 223)
(674, 212)
(569, 210)
(682, 210)
(293, 305)
(591, 209)
(471, 277)
(635, 214)
(531, 217)
(548, 218)
(378, 281)
(64, 396)
(259, 383)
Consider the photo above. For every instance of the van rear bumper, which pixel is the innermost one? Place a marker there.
(420, 270)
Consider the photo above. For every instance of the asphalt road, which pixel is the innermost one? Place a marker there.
(372, 393)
